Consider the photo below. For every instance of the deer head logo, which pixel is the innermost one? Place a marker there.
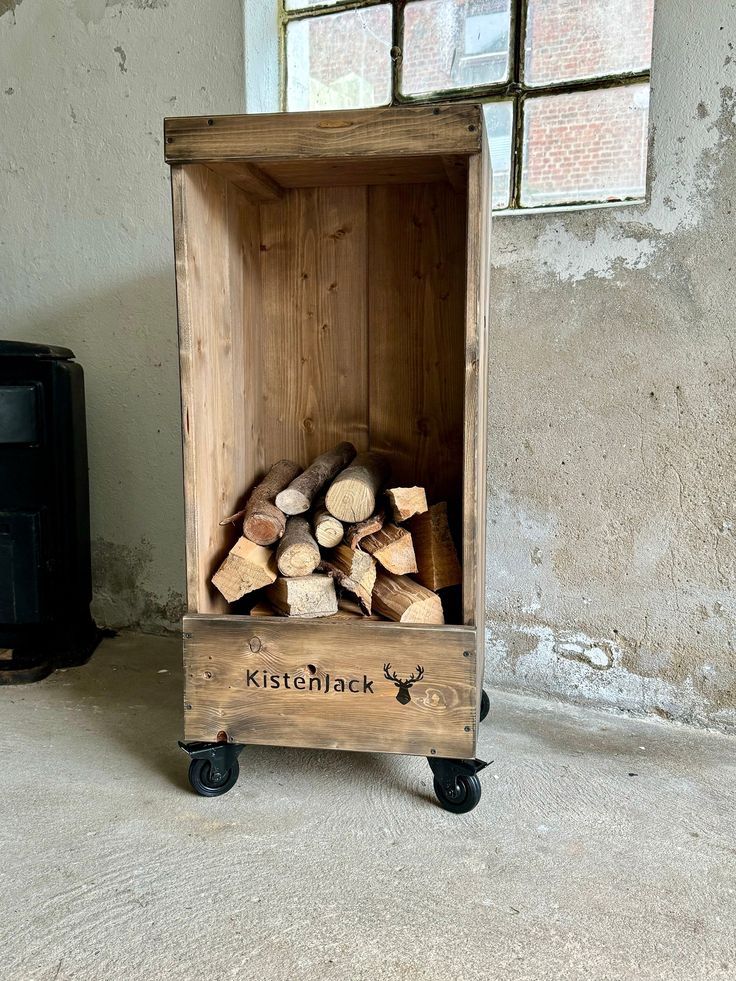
(403, 695)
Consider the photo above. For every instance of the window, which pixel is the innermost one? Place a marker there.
(565, 82)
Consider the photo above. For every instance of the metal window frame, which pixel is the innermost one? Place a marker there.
(514, 89)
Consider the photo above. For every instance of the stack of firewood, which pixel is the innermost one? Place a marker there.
(335, 541)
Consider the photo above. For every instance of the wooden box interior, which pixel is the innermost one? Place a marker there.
(328, 305)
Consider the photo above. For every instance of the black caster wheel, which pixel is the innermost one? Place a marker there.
(460, 798)
(200, 777)
(485, 705)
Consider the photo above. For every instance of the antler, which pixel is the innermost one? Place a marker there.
(390, 676)
(420, 675)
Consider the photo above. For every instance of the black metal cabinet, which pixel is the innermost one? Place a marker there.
(45, 579)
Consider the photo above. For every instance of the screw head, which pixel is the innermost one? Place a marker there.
(466, 653)
(467, 728)
(433, 751)
(188, 707)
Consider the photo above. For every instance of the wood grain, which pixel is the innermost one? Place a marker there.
(440, 719)
(420, 131)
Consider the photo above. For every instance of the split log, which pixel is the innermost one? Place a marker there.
(298, 553)
(354, 571)
(406, 501)
(392, 548)
(434, 548)
(309, 596)
(263, 522)
(349, 609)
(356, 532)
(352, 494)
(248, 567)
(401, 599)
(327, 530)
(298, 496)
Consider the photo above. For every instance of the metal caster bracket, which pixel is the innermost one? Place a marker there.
(222, 756)
(447, 771)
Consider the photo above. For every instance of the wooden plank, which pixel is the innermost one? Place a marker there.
(217, 462)
(416, 288)
(311, 391)
(258, 185)
(354, 172)
(439, 719)
(445, 130)
(476, 399)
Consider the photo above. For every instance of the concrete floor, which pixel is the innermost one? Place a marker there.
(603, 847)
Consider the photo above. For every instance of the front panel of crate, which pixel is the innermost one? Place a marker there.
(374, 687)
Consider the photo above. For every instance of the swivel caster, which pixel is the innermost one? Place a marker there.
(485, 705)
(456, 783)
(214, 768)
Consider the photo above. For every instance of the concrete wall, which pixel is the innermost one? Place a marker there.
(612, 531)
(86, 254)
(612, 524)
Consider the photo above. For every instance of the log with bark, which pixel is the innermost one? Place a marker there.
(401, 599)
(392, 548)
(301, 492)
(263, 522)
(353, 571)
(248, 567)
(356, 532)
(298, 553)
(352, 494)
(437, 559)
(309, 596)
(327, 530)
(405, 502)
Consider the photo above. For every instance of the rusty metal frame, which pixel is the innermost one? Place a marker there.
(513, 89)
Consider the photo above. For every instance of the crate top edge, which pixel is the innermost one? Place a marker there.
(445, 129)
(233, 619)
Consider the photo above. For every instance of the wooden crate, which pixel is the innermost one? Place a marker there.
(332, 284)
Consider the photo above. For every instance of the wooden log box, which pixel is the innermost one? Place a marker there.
(298, 496)
(352, 494)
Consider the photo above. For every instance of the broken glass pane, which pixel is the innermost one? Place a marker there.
(339, 61)
(585, 146)
(454, 44)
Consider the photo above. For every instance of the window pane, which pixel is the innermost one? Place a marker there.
(499, 120)
(340, 61)
(565, 40)
(587, 146)
(453, 44)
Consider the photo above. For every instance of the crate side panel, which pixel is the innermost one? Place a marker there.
(226, 689)
(209, 216)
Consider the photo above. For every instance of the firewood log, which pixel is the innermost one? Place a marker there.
(263, 609)
(248, 567)
(405, 502)
(309, 596)
(327, 530)
(263, 522)
(352, 494)
(392, 548)
(298, 496)
(349, 609)
(354, 571)
(298, 553)
(401, 599)
(357, 531)
(434, 548)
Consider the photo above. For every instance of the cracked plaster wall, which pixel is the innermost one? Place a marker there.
(612, 506)
(86, 253)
